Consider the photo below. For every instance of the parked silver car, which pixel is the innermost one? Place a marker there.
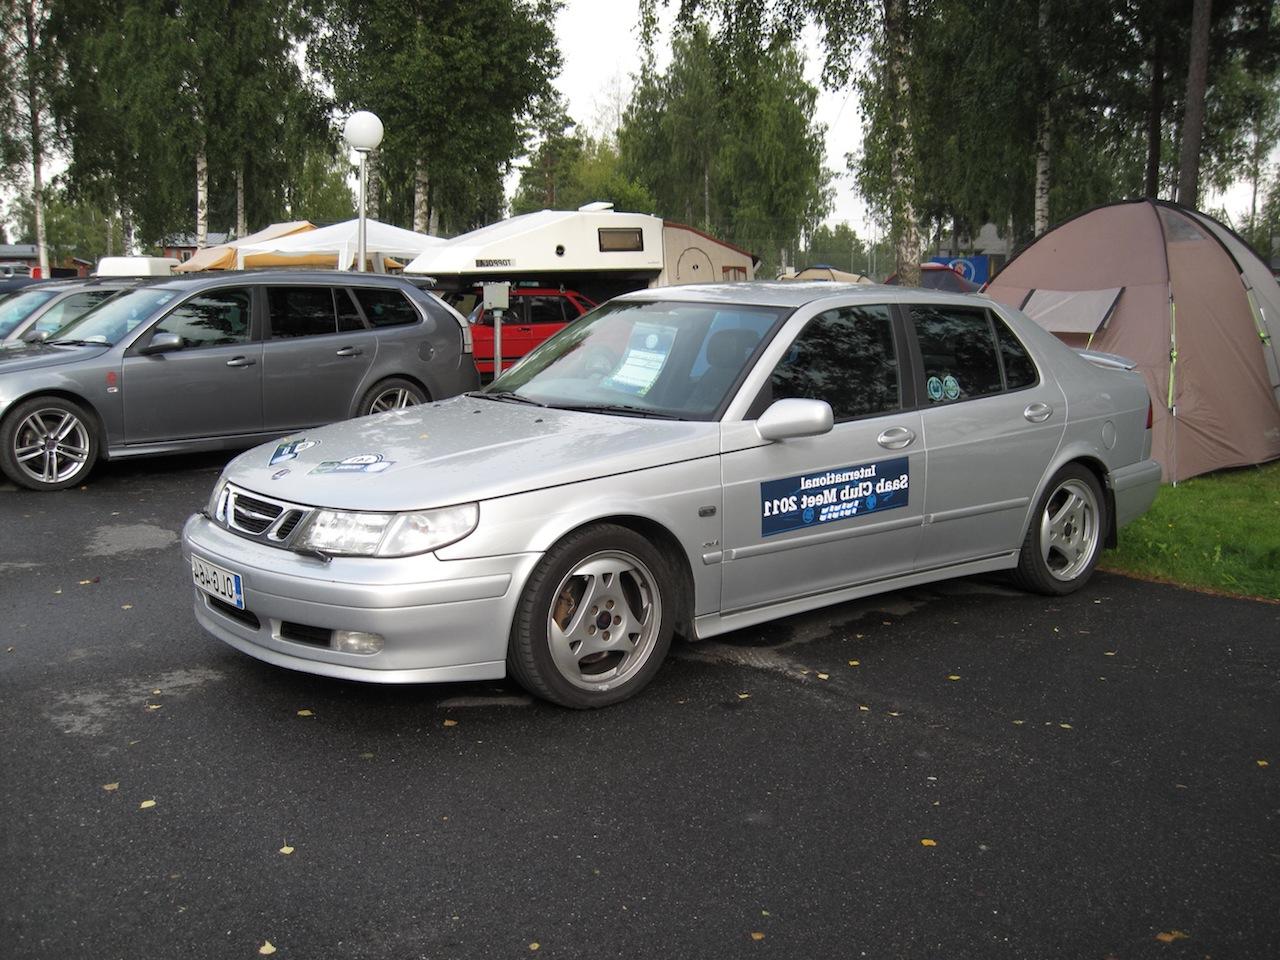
(686, 460)
(45, 308)
(221, 362)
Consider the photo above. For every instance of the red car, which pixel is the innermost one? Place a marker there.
(534, 315)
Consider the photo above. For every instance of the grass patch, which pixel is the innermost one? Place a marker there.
(1220, 532)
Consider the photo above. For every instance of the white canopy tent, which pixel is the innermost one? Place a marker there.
(340, 242)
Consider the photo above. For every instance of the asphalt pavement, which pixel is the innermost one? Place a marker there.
(959, 771)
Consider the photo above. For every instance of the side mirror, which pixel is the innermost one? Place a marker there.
(794, 417)
(37, 336)
(162, 343)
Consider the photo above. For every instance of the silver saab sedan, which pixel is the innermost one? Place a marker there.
(687, 460)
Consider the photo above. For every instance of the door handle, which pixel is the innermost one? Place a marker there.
(895, 438)
(1038, 412)
(241, 362)
(350, 352)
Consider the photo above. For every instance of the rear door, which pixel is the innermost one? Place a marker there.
(812, 514)
(316, 355)
(212, 387)
(992, 425)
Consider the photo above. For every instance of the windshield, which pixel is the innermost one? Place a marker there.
(117, 317)
(669, 359)
(17, 308)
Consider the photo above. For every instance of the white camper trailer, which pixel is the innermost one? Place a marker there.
(595, 249)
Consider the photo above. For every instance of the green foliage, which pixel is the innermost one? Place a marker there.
(72, 229)
(1220, 532)
(455, 85)
(320, 192)
(724, 140)
(840, 246)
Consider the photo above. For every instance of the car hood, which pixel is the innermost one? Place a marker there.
(460, 450)
(17, 355)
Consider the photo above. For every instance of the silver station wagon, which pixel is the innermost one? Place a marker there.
(216, 363)
(689, 460)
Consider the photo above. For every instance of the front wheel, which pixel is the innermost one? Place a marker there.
(1066, 535)
(393, 394)
(596, 619)
(48, 443)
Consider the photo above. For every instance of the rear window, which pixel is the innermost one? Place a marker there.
(386, 308)
(959, 352)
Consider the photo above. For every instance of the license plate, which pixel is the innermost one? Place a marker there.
(217, 582)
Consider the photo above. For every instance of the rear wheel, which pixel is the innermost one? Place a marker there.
(595, 621)
(47, 443)
(1066, 534)
(392, 394)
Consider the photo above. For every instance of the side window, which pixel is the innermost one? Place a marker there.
(386, 307)
(300, 312)
(845, 357)
(349, 318)
(546, 310)
(1019, 368)
(959, 352)
(210, 319)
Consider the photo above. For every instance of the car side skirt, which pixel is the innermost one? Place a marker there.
(713, 624)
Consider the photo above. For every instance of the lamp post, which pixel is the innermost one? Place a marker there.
(363, 133)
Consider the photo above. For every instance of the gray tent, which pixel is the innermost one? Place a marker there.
(1188, 300)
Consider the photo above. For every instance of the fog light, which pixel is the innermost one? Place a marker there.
(357, 641)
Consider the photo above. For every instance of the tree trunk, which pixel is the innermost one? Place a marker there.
(706, 195)
(1155, 112)
(1043, 128)
(421, 196)
(1193, 116)
(130, 232)
(202, 195)
(906, 236)
(36, 135)
(242, 227)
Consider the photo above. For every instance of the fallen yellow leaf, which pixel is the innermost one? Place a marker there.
(156, 691)
(824, 676)
(1264, 763)
(855, 663)
(1109, 653)
(863, 707)
(535, 945)
(154, 706)
(267, 948)
(1065, 726)
(954, 676)
(305, 713)
(1171, 936)
(109, 787)
(83, 582)
(451, 723)
(1018, 723)
(926, 842)
(146, 804)
(757, 936)
(744, 696)
(126, 606)
(286, 849)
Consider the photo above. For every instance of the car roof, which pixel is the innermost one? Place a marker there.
(222, 278)
(794, 294)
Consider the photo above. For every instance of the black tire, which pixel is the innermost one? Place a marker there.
(391, 394)
(1066, 535)
(48, 443)
(589, 663)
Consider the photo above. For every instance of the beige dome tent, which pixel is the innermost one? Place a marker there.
(1184, 297)
(223, 256)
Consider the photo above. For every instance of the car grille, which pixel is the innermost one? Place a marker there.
(260, 518)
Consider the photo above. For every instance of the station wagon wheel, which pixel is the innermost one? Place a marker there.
(48, 444)
(595, 621)
(1066, 534)
(393, 394)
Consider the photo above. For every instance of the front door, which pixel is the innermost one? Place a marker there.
(813, 514)
(212, 387)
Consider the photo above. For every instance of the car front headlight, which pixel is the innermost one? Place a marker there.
(214, 506)
(357, 534)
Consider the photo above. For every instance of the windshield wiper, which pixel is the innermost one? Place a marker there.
(623, 409)
(75, 343)
(506, 396)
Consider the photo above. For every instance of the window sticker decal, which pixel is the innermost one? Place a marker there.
(289, 450)
(647, 353)
(364, 463)
(950, 387)
(934, 385)
(809, 499)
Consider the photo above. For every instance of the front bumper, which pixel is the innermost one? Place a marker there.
(441, 620)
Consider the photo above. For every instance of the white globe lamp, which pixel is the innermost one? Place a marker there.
(363, 132)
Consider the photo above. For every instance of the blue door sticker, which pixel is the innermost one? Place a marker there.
(840, 494)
